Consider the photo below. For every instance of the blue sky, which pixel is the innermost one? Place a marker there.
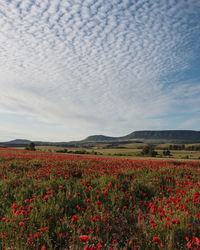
(69, 69)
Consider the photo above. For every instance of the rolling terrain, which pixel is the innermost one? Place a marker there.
(146, 136)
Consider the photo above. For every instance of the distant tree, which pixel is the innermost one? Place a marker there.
(31, 146)
(166, 152)
(149, 151)
(176, 147)
(146, 150)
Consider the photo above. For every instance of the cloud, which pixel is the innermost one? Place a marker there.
(96, 64)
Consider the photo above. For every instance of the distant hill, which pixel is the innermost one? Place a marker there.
(165, 134)
(23, 143)
(148, 136)
(18, 141)
(99, 138)
(169, 135)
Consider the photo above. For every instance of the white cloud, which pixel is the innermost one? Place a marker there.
(96, 64)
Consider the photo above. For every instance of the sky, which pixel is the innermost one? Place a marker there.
(74, 68)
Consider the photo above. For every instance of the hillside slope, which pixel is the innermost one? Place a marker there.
(175, 135)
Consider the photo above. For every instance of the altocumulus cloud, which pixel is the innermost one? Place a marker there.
(100, 65)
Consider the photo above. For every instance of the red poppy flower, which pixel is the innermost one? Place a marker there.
(156, 240)
(84, 238)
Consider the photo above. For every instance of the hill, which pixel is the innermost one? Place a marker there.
(18, 141)
(165, 134)
(99, 138)
(147, 136)
(156, 135)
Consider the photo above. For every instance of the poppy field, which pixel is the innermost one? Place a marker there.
(59, 201)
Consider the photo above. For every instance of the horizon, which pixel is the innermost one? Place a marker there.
(26, 139)
(73, 69)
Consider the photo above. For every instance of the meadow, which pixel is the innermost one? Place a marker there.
(132, 150)
(66, 201)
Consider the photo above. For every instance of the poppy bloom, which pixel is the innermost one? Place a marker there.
(196, 241)
(14, 205)
(98, 203)
(36, 235)
(156, 240)
(189, 244)
(90, 248)
(84, 238)
(21, 224)
(45, 198)
(74, 218)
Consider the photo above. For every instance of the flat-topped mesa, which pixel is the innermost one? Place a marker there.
(179, 135)
(165, 134)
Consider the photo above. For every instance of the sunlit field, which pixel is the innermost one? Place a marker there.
(130, 151)
(63, 201)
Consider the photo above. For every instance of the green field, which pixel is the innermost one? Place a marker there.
(131, 150)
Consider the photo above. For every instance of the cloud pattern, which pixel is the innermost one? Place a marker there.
(99, 65)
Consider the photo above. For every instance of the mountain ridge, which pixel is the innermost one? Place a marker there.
(187, 136)
(151, 134)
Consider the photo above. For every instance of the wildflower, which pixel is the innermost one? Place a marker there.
(90, 248)
(196, 241)
(14, 205)
(197, 216)
(99, 245)
(74, 218)
(45, 198)
(156, 240)
(98, 203)
(189, 244)
(84, 238)
(36, 235)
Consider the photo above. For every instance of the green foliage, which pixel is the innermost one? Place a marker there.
(149, 151)
(166, 153)
(31, 146)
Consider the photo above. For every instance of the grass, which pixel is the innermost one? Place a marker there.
(129, 150)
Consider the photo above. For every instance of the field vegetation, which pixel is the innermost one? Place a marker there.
(130, 150)
(65, 201)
